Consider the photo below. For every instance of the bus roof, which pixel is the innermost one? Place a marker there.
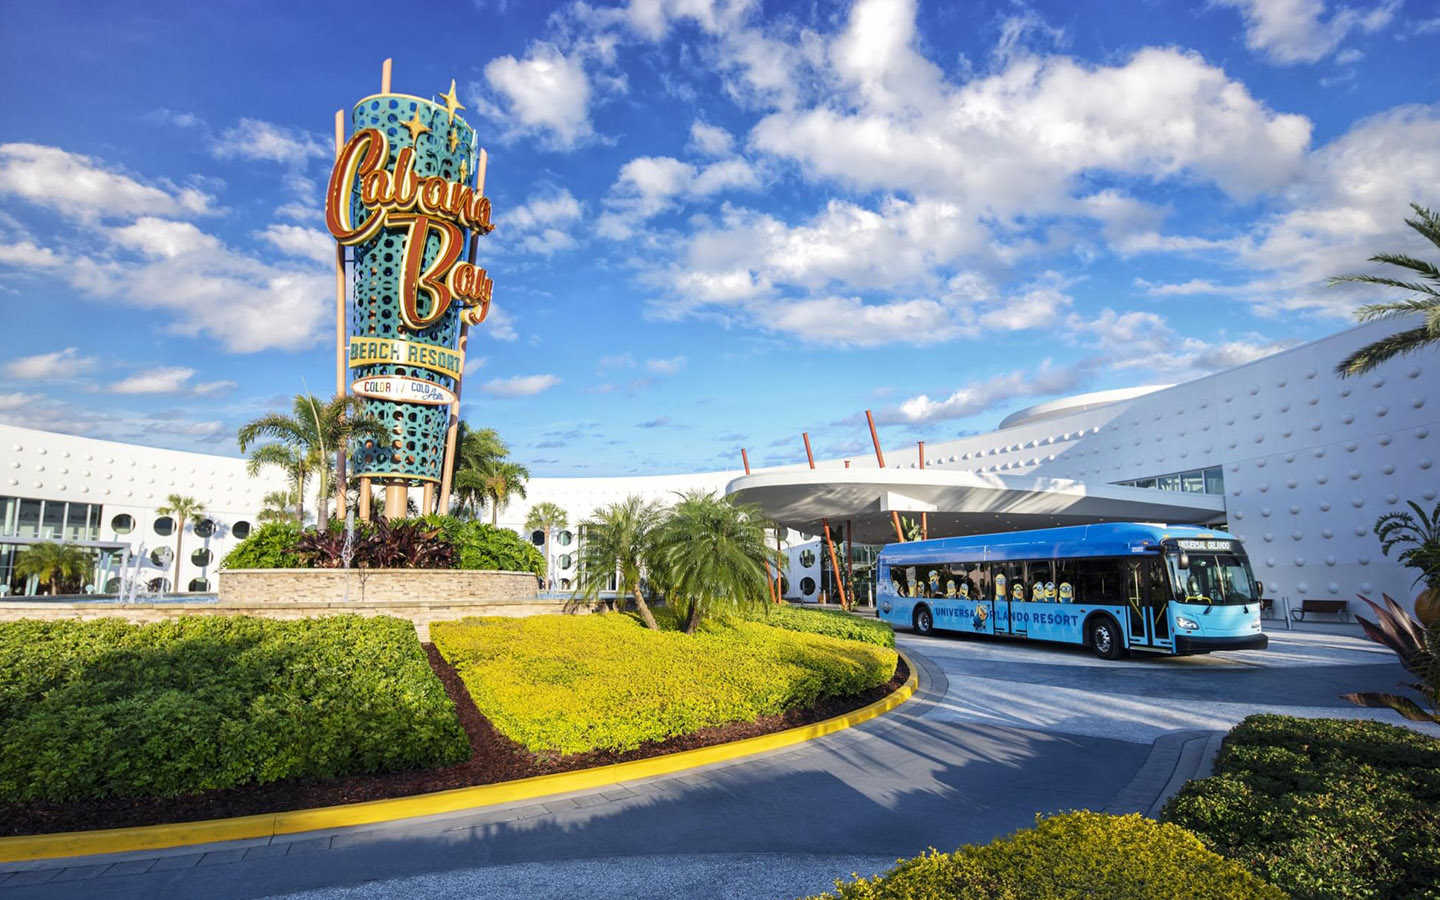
(1108, 539)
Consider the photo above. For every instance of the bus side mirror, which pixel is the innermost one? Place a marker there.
(1259, 589)
(1184, 560)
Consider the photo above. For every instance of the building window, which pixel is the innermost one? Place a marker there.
(807, 558)
(241, 530)
(1195, 481)
(537, 538)
(1214, 481)
(565, 561)
(202, 557)
(164, 526)
(112, 586)
(807, 586)
(564, 584)
(161, 556)
(204, 528)
(123, 523)
(199, 585)
(27, 523)
(564, 538)
(52, 520)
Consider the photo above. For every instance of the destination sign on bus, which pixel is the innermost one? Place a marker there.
(1212, 546)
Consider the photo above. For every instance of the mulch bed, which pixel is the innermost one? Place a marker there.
(493, 758)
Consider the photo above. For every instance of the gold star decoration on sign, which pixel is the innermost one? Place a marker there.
(464, 170)
(454, 140)
(416, 127)
(452, 103)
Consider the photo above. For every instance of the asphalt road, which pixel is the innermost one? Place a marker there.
(999, 732)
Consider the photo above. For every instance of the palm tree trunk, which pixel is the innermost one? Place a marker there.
(322, 518)
(179, 538)
(300, 500)
(644, 608)
(494, 510)
(692, 621)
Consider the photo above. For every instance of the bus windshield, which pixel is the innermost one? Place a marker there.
(1217, 578)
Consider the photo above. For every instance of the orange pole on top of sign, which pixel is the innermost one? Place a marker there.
(745, 459)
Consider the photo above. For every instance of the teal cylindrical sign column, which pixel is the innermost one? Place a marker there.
(402, 194)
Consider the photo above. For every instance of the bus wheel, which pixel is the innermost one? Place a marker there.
(1105, 638)
(924, 622)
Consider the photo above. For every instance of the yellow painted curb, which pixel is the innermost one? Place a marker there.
(156, 837)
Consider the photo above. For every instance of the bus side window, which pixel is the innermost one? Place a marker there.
(912, 586)
(1097, 580)
(1039, 573)
(1065, 580)
(978, 577)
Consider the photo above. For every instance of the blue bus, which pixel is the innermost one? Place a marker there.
(1114, 588)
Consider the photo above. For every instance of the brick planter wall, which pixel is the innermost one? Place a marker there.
(261, 586)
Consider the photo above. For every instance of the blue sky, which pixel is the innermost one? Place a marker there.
(720, 224)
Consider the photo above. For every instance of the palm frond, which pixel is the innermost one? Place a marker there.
(1402, 705)
(1383, 350)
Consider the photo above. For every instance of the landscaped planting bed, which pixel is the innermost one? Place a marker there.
(825, 621)
(1327, 809)
(1074, 856)
(106, 724)
(106, 709)
(607, 683)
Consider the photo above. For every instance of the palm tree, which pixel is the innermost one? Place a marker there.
(715, 554)
(181, 508)
(296, 467)
(620, 541)
(313, 431)
(547, 516)
(495, 482)
(279, 505)
(477, 449)
(51, 563)
(1425, 303)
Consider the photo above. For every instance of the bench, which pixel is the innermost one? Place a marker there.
(1340, 608)
(1267, 607)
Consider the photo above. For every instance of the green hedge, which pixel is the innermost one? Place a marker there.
(484, 546)
(478, 546)
(1325, 808)
(1074, 856)
(108, 709)
(568, 684)
(825, 621)
(271, 546)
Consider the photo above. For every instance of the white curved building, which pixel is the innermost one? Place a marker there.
(1295, 461)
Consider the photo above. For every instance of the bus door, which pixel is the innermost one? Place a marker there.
(1147, 599)
(1009, 578)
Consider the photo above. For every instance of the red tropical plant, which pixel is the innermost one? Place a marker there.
(1416, 647)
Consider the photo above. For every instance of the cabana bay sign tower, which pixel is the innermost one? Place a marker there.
(407, 195)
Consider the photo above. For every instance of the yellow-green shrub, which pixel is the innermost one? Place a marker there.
(109, 709)
(567, 684)
(1075, 856)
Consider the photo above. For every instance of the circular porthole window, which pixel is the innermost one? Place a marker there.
(807, 586)
(241, 530)
(112, 586)
(123, 523)
(807, 558)
(199, 585)
(164, 526)
(564, 584)
(537, 538)
(202, 557)
(564, 538)
(157, 585)
(204, 528)
(565, 561)
(162, 556)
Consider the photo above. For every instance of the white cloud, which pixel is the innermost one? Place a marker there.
(538, 225)
(982, 396)
(59, 364)
(650, 185)
(710, 140)
(665, 366)
(256, 139)
(294, 240)
(849, 322)
(1036, 308)
(1350, 204)
(474, 364)
(1020, 138)
(207, 388)
(546, 93)
(26, 254)
(83, 188)
(1181, 289)
(519, 385)
(163, 239)
(1292, 31)
(160, 380)
(15, 399)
